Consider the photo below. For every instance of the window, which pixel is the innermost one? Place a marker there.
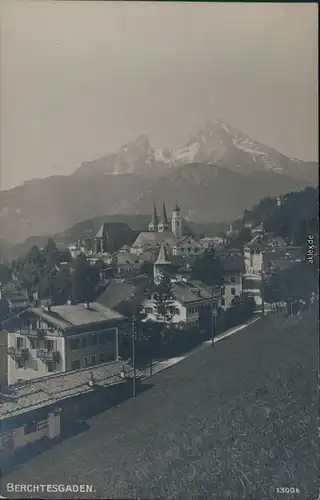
(148, 310)
(233, 291)
(176, 311)
(20, 343)
(49, 344)
(233, 279)
(223, 302)
(102, 358)
(20, 363)
(75, 344)
(223, 290)
(84, 342)
(30, 427)
(43, 424)
(35, 364)
(34, 343)
(75, 365)
(93, 360)
(85, 363)
(50, 367)
(93, 340)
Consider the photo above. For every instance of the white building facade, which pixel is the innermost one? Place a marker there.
(61, 338)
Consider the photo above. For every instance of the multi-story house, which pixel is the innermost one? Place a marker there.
(187, 246)
(189, 300)
(231, 291)
(48, 340)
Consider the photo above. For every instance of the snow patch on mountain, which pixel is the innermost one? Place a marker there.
(216, 143)
(187, 154)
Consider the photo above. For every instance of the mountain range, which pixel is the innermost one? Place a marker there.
(217, 174)
(216, 143)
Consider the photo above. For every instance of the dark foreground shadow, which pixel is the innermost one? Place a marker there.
(75, 422)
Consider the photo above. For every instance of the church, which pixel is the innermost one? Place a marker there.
(166, 232)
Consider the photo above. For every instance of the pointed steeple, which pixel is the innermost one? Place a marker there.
(165, 218)
(153, 224)
(163, 256)
(164, 224)
(155, 215)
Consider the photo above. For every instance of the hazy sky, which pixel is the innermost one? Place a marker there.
(80, 79)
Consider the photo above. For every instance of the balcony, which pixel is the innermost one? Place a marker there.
(18, 352)
(41, 333)
(46, 355)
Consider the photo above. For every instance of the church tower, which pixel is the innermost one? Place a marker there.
(177, 222)
(164, 224)
(153, 224)
(162, 265)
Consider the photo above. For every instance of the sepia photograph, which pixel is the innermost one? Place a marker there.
(159, 250)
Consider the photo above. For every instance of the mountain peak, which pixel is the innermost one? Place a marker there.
(216, 143)
(141, 141)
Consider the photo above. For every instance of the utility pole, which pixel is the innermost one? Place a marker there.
(213, 316)
(262, 293)
(134, 355)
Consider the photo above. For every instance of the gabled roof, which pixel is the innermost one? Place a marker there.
(116, 293)
(125, 292)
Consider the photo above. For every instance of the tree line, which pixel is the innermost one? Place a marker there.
(293, 219)
(45, 273)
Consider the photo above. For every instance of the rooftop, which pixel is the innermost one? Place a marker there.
(38, 393)
(151, 238)
(68, 316)
(233, 263)
(191, 292)
(230, 423)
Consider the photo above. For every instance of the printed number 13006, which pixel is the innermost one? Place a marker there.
(287, 490)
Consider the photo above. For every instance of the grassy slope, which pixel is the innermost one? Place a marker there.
(232, 423)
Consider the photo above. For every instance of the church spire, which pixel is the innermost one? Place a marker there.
(153, 224)
(155, 215)
(165, 218)
(164, 224)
